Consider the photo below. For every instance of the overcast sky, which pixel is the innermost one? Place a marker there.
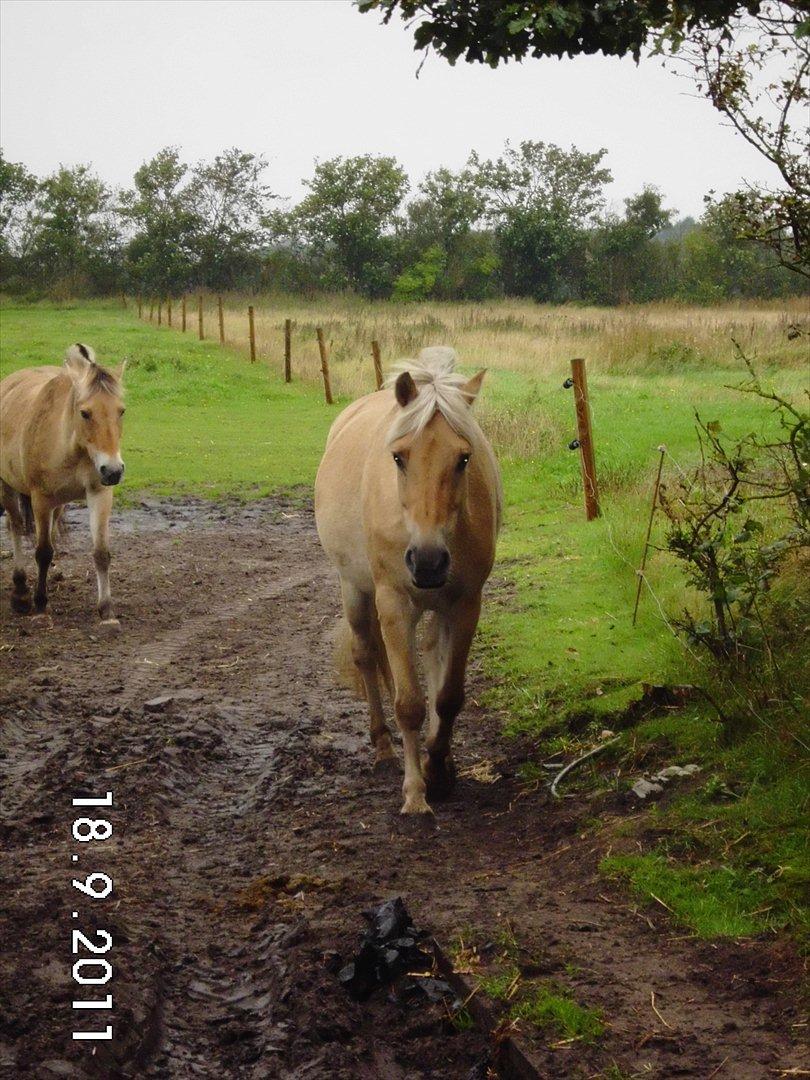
(112, 81)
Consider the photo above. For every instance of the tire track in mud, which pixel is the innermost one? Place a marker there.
(235, 984)
(251, 832)
(218, 805)
(161, 653)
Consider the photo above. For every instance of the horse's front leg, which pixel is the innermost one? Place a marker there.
(43, 520)
(358, 608)
(454, 637)
(100, 504)
(398, 623)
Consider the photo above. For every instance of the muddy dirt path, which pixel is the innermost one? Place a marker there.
(250, 833)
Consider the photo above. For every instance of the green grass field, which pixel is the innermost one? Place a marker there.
(202, 419)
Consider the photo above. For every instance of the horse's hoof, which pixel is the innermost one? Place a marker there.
(384, 755)
(416, 804)
(42, 621)
(385, 765)
(21, 604)
(110, 627)
(440, 777)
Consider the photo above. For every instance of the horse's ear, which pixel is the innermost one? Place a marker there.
(119, 371)
(472, 386)
(405, 389)
(78, 359)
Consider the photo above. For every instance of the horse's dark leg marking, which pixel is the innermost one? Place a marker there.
(21, 594)
(43, 553)
(44, 557)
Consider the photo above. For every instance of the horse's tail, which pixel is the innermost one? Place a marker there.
(345, 667)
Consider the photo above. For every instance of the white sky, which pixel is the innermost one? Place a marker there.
(112, 81)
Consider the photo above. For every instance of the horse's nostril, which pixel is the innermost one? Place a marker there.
(410, 558)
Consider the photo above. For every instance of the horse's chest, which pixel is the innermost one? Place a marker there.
(63, 485)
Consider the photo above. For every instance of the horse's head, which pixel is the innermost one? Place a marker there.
(98, 411)
(431, 453)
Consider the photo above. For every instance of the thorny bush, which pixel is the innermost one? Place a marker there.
(736, 520)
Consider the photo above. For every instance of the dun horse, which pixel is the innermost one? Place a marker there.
(408, 506)
(60, 430)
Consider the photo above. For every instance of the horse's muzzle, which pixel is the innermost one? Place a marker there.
(428, 566)
(111, 474)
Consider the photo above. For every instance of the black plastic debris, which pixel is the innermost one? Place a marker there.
(435, 989)
(389, 920)
(391, 952)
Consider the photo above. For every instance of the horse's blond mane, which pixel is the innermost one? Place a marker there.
(439, 388)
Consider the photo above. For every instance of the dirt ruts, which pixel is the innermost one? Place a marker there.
(250, 832)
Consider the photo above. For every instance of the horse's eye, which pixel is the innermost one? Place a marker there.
(85, 414)
(399, 462)
(121, 412)
(463, 462)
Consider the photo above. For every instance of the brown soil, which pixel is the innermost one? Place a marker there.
(250, 833)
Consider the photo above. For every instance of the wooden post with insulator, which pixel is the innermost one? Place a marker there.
(584, 440)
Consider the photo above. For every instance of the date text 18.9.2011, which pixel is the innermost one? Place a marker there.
(93, 967)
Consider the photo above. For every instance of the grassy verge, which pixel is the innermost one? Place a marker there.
(729, 857)
(558, 640)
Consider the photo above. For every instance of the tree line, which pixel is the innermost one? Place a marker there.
(532, 222)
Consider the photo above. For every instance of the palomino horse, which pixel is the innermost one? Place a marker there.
(408, 506)
(60, 430)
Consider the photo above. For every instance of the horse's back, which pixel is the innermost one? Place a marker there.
(19, 393)
(30, 379)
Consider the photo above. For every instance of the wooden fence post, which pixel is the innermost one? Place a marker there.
(160, 312)
(327, 388)
(169, 311)
(580, 383)
(375, 352)
(140, 307)
(183, 313)
(287, 350)
(200, 317)
(252, 332)
(124, 300)
(151, 310)
(221, 317)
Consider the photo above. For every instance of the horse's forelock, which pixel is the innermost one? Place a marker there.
(438, 390)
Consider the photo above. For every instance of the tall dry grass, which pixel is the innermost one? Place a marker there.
(516, 335)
